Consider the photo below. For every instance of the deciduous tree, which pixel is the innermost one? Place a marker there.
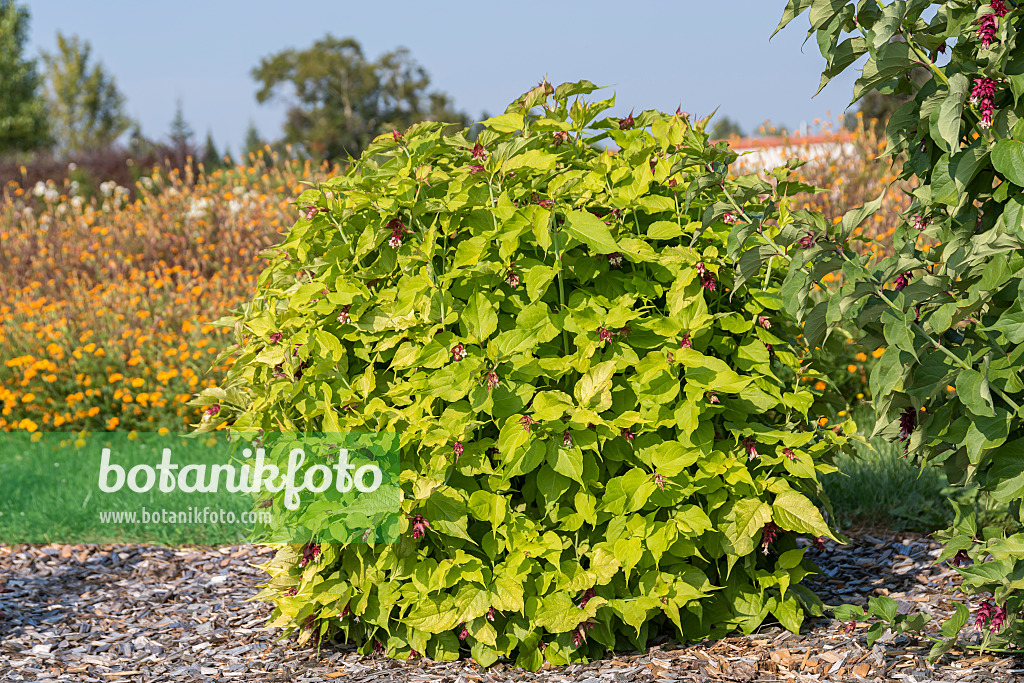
(341, 100)
(84, 105)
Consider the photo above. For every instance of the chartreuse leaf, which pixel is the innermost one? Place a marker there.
(795, 512)
(591, 230)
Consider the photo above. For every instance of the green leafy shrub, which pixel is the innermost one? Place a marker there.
(602, 426)
(949, 314)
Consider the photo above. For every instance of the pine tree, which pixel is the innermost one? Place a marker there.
(253, 142)
(181, 133)
(211, 158)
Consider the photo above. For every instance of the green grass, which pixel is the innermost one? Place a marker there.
(881, 488)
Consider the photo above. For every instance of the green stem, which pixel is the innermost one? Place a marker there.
(779, 250)
(558, 274)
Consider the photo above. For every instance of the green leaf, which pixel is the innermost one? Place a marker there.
(558, 613)
(1008, 158)
(594, 388)
(972, 388)
(951, 627)
(795, 512)
(745, 520)
(591, 230)
(883, 607)
(816, 327)
(951, 112)
(480, 318)
(892, 60)
(504, 123)
(794, 8)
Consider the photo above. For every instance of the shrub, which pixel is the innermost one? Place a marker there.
(952, 314)
(603, 431)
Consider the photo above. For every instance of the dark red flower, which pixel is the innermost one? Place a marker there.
(604, 335)
(819, 543)
(512, 278)
(479, 152)
(713, 398)
(413, 654)
(566, 439)
(397, 229)
(344, 317)
(659, 481)
(458, 449)
(492, 381)
(490, 614)
(626, 123)
(960, 559)
(707, 279)
(808, 240)
(750, 446)
(378, 648)
(908, 422)
(560, 137)
(546, 203)
(788, 452)
(686, 343)
(902, 280)
(313, 211)
(213, 410)
(579, 635)
(731, 218)
(987, 29)
(476, 168)
(590, 593)
(458, 352)
(395, 134)
(983, 93)
(989, 614)
(764, 322)
(464, 633)
(769, 533)
(290, 593)
(627, 434)
(849, 627)
(527, 422)
(419, 526)
(310, 552)
(266, 503)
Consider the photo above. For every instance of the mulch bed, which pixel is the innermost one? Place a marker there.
(140, 613)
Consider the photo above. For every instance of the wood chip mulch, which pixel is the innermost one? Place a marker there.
(143, 613)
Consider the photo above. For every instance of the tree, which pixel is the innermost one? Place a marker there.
(727, 128)
(342, 100)
(23, 124)
(84, 105)
(253, 142)
(211, 158)
(181, 133)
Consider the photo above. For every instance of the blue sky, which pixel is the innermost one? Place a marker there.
(693, 53)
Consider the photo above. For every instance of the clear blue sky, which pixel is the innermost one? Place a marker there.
(695, 53)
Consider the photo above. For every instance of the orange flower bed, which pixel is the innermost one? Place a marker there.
(107, 306)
